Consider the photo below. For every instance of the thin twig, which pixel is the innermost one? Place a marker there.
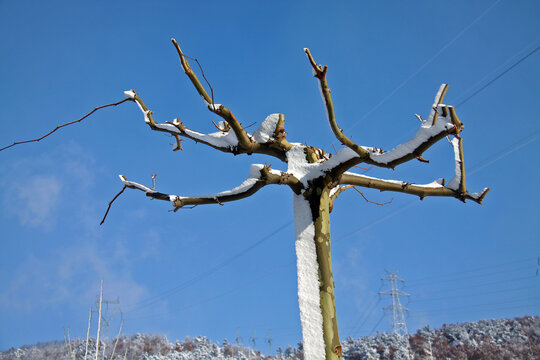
(369, 201)
(110, 203)
(184, 207)
(363, 168)
(154, 176)
(69, 123)
(204, 76)
(220, 129)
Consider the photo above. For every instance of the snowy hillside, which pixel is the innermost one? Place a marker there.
(486, 339)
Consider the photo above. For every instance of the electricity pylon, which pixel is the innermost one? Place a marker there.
(399, 326)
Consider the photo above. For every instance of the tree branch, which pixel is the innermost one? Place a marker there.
(319, 72)
(264, 141)
(66, 124)
(428, 134)
(369, 201)
(110, 204)
(338, 190)
(218, 109)
(436, 188)
(259, 177)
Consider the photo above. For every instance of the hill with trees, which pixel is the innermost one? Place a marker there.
(502, 339)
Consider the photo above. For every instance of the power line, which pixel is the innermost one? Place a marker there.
(508, 150)
(443, 309)
(196, 278)
(417, 283)
(498, 265)
(530, 138)
(490, 74)
(217, 296)
(192, 281)
(469, 295)
(441, 50)
(461, 311)
(363, 317)
(492, 283)
(484, 87)
(377, 324)
(499, 76)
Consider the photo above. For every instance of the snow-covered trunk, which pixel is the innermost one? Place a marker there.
(315, 280)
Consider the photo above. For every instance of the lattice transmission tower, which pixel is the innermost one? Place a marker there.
(398, 324)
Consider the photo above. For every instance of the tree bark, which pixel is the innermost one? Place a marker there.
(317, 197)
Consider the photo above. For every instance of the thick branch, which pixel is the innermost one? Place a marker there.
(428, 134)
(436, 188)
(259, 177)
(219, 109)
(319, 72)
(264, 140)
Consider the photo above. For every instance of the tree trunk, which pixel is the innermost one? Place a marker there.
(315, 280)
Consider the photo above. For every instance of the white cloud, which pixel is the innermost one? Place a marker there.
(39, 188)
(34, 200)
(70, 278)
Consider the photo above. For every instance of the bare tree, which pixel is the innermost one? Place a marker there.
(316, 179)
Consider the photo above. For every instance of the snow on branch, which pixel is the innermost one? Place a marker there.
(436, 188)
(267, 129)
(259, 176)
(458, 182)
(441, 122)
(429, 133)
(218, 109)
(268, 139)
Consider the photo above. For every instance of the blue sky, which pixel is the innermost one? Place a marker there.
(220, 271)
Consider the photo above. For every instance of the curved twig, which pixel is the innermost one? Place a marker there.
(110, 204)
(369, 201)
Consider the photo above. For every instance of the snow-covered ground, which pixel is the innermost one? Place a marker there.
(486, 339)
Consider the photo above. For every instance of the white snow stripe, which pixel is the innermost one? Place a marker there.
(456, 181)
(308, 281)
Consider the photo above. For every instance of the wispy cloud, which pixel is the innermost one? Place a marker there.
(38, 186)
(71, 277)
(34, 200)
